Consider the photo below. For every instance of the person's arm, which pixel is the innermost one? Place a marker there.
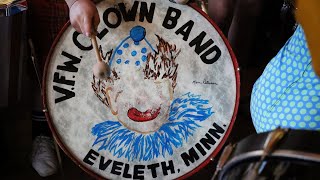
(308, 15)
(84, 16)
(221, 12)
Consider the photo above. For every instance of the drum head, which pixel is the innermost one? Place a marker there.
(168, 104)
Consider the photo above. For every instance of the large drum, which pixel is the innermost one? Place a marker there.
(168, 104)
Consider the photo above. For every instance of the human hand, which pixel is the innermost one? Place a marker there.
(84, 16)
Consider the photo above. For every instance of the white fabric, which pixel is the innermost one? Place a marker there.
(43, 156)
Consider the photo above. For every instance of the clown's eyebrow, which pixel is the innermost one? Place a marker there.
(118, 93)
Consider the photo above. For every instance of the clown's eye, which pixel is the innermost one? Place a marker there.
(117, 95)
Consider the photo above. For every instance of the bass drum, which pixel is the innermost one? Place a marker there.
(296, 156)
(168, 104)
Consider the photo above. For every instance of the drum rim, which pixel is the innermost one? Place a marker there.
(89, 171)
(280, 153)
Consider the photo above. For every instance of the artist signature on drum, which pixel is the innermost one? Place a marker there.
(204, 82)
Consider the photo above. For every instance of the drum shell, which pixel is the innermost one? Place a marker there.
(299, 147)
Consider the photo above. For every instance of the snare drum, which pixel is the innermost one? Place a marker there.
(168, 104)
(295, 156)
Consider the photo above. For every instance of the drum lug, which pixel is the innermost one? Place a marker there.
(273, 140)
(226, 153)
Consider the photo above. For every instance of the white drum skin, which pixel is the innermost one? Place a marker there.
(170, 100)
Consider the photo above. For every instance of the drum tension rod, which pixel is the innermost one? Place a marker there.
(226, 153)
(33, 59)
(272, 141)
(204, 6)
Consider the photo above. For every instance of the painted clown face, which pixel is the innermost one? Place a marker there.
(140, 88)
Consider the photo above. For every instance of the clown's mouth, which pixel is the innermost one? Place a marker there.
(139, 116)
